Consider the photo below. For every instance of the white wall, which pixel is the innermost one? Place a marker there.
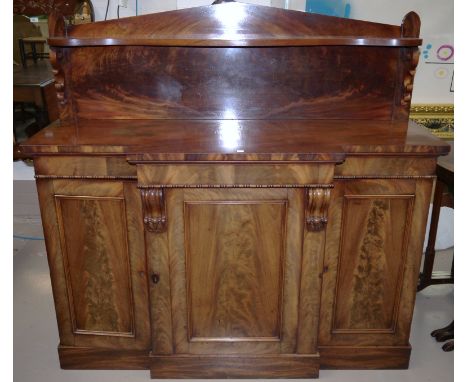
(152, 6)
(21, 171)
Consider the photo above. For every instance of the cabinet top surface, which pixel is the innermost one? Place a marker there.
(236, 139)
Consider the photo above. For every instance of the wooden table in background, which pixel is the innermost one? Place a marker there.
(35, 84)
(443, 197)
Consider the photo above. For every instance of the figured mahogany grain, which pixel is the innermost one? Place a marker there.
(233, 175)
(359, 358)
(234, 41)
(239, 366)
(234, 256)
(201, 83)
(232, 190)
(375, 258)
(74, 357)
(232, 19)
(219, 270)
(95, 249)
(74, 167)
(181, 66)
(97, 265)
(311, 268)
(221, 140)
(374, 248)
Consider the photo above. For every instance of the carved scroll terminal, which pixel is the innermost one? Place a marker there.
(318, 200)
(59, 76)
(154, 209)
(409, 78)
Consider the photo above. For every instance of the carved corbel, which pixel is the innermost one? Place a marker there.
(318, 200)
(409, 78)
(154, 209)
(59, 76)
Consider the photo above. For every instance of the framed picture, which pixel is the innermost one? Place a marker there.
(436, 118)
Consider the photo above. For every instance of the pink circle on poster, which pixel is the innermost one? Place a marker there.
(445, 52)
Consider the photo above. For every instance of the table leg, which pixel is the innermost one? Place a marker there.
(34, 52)
(22, 52)
(426, 275)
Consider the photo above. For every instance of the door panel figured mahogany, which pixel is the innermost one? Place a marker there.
(96, 263)
(235, 257)
(373, 251)
(372, 248)
(97, 248)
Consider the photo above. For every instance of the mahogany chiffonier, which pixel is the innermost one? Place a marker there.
(234, 191)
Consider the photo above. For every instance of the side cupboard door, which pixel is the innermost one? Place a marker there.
(373, 251)
(95, 247)
(228, 272)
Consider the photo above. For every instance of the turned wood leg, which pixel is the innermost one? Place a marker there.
(449, 346)
(444, 334)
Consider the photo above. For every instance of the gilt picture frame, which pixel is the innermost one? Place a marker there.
(437, 118)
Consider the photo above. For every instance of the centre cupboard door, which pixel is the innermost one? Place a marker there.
(227, 273)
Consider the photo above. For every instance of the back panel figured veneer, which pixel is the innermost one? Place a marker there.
(94, 241)
(374, 245)
(136, 82)
(234, 257)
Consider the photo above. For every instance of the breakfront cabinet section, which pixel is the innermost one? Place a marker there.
(235, 255)
(95, 243)
(234, 191)
(235, 273)
(372, 255)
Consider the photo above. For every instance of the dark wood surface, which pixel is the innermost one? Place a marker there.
(43, 7)
(235, 20)
(245, 183)
(75, 357)
(217, 309)
(294, 139)
(202, 83)
(204, 40)
(443, 197)
(445, 165)
(232, 61)
(95, 247)
(35, 83)
(294, 366)
(38, 74)
(367, 293)
(370, 357)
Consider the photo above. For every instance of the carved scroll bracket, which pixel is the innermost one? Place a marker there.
(318, 200)
(154, 209)
(409, 78)
(59, 76)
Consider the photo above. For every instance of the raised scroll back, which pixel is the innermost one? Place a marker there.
(235, 61)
